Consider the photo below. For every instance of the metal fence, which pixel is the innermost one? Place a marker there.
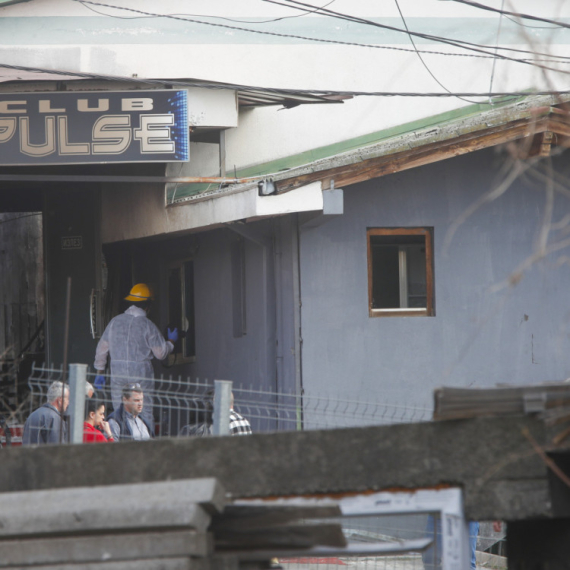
(175, 404)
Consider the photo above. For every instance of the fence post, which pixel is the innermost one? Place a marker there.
(76, 409)
(222, 402)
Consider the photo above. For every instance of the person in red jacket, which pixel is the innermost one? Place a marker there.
(94, 419)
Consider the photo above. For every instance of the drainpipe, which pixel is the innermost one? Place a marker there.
(297, 320)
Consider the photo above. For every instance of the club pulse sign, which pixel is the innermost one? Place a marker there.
(94, 127)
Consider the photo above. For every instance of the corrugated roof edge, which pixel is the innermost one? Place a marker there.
(437, 128)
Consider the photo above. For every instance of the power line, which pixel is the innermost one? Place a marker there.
(457, 43)
(515, 21)
(274, 90)
(514, 14)
(497, 47)
(317, 9)
(422, 59)
(206, 16)
(293, 36)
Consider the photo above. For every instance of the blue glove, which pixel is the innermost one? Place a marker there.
(99, 382)
(173, 334)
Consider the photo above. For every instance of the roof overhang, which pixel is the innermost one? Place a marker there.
(540, 121)
(540, 124)
(14, 78)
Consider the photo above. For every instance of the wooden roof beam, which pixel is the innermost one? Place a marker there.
(418, 156)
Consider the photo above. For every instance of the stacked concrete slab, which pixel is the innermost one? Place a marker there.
(161, 525)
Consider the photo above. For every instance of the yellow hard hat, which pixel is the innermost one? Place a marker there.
(140, 292)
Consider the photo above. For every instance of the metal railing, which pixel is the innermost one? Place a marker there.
(175, 404)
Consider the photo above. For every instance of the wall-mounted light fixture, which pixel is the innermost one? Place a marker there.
(266, 187)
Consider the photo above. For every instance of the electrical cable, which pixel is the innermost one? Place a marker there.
(430, 37)
(479, 48)
(273, 90)
(339, 42)
(422, 59)
(206, 16)
(497, 44)
(329, 41)
(514, 14)
(533, 27)
(317, 9)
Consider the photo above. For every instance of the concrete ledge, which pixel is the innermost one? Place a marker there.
(143, 506)
(98, 548)
(490, 458)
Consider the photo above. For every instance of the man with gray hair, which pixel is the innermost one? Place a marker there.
(46, 424)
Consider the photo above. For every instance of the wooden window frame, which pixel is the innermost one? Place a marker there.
(429, 310)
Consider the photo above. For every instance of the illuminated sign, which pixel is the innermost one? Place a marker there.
(94, 127)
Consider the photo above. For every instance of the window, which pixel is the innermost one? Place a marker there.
(400, 272)
(181, 308)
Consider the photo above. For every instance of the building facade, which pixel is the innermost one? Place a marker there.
(316, 240)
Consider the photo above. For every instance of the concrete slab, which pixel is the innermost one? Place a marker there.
(167, 504)
(101, 548)
(502, 475)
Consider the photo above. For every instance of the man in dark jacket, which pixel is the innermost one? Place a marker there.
(47, 424)
(126, 422)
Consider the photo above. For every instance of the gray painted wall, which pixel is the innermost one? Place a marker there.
(263, 357)
(247, 360)
(479, 337)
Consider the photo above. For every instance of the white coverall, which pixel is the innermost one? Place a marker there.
(131, 339)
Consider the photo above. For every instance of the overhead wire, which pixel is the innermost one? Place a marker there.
(422, 59)
(509, 13)
(430, 37)
(206, 16)
(304, 37)
(272, 90)
(479, 48)
(497, 44)
(514, 20)
(293, 36)
(457, 43)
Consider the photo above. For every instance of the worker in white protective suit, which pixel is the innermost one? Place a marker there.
(132, 340)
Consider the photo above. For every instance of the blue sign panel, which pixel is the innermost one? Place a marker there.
(94, 127)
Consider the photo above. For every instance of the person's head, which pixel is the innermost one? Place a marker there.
(141, 296)
(58, 395)
(133, 399)
(94, 411)
(89, 390)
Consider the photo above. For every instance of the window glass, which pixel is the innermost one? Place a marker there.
(400, 271)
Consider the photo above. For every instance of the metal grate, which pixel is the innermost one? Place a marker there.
(177, 403)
